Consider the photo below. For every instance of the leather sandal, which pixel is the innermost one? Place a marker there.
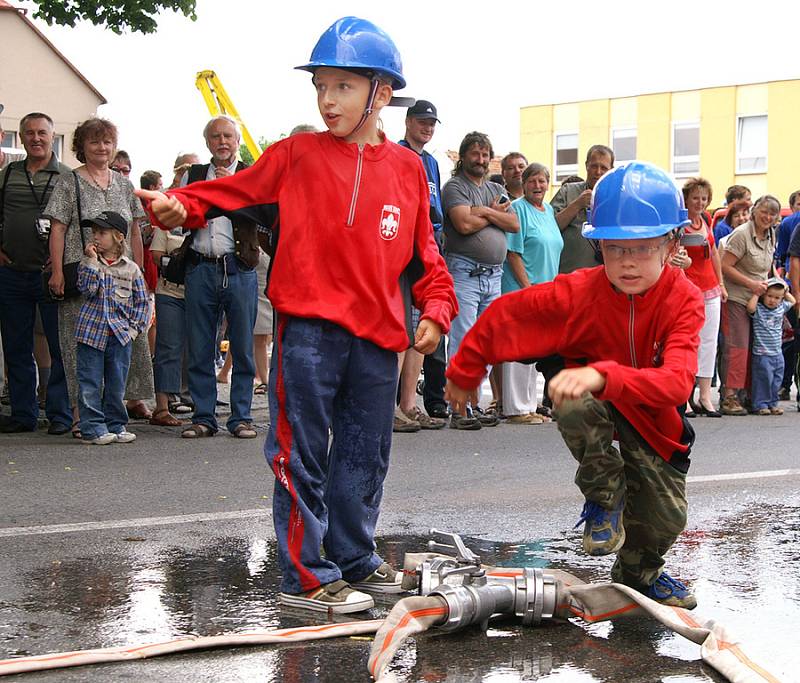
(244, 430)
(197, 431)
(139, 411)
(163, 418)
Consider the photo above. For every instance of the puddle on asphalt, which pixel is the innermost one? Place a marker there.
(145, 591)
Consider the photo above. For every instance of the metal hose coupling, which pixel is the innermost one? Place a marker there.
(531, 596)
(473, 593)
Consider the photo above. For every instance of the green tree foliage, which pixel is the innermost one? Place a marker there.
(118, 15)
(262, 142)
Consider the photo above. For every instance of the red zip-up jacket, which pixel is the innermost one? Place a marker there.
(354, 226)
(645, 346)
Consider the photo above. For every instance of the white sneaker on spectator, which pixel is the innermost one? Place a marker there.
(125, 436)
(102, 440)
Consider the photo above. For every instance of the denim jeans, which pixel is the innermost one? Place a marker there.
(170, 343)
(20, 294)
(474, 294)
(767, 374)
(323, 381)
(101, 382)
(209, 290)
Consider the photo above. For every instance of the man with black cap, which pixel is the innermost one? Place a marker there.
(421, 120)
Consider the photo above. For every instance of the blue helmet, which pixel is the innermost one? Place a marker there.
(635, 201)
(353, 43)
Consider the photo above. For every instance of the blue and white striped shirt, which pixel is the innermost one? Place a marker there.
(768, 329)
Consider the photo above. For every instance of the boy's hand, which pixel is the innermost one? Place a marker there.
(427, 337)
(573, 383)
(458, 398)
(169, 211)
(90, 251)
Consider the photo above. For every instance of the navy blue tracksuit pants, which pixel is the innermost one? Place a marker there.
(327, 492)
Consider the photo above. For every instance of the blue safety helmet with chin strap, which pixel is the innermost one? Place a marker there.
(635, 201)
(357, 44)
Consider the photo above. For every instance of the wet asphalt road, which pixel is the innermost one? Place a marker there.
(166, 537)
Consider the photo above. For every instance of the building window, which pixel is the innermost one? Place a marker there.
(623, 142)
(685, 149)
(751, 144)
(9, 139)
(58, 146)
(566, 156)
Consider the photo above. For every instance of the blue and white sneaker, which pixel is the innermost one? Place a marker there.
(669, 591)
(604, 533)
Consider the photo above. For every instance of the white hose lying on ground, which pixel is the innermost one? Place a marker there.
(592, 603)
(127, 653)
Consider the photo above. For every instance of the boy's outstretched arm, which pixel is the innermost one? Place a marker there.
(246, 191)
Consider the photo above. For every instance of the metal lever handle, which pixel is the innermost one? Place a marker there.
(451, 544)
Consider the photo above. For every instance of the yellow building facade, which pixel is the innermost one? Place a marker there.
(732, 135)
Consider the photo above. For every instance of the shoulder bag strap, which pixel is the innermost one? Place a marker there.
(78, 203)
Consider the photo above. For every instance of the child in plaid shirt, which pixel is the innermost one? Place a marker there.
(115, 311)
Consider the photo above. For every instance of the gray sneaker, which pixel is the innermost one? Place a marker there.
(383, 580)
(469, 424)
(336, 597)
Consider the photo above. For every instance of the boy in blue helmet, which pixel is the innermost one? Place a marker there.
(355, 248)
(629, 331)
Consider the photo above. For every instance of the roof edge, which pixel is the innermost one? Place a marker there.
(4, 6)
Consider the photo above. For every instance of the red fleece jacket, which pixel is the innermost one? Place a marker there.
(352, 221)
(645, 346)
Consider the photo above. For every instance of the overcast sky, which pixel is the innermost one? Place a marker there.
(479, 62)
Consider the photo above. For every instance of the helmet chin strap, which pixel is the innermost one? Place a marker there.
(373, 91)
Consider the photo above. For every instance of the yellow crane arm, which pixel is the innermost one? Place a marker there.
(218, 102)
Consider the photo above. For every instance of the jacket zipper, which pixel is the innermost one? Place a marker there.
(352, 215)
(631, 319)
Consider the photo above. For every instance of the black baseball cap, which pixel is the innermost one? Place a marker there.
(109, 220)
(422, 110)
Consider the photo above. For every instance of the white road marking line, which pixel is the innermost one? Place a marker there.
(743, 475)
(262, 512)
(133, 523)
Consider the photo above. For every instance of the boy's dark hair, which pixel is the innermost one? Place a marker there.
(793, 197)
(149, 180)
(473, 138)
(735, 192)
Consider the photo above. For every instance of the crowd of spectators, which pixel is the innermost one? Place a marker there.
(207, 287)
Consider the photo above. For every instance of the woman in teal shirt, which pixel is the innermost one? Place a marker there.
(532, 257)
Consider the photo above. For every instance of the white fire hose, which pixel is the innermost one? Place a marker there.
(456, 591)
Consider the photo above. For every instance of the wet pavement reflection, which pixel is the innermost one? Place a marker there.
(92, 591)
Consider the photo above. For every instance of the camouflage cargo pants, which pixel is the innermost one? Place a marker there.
(654, 491)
